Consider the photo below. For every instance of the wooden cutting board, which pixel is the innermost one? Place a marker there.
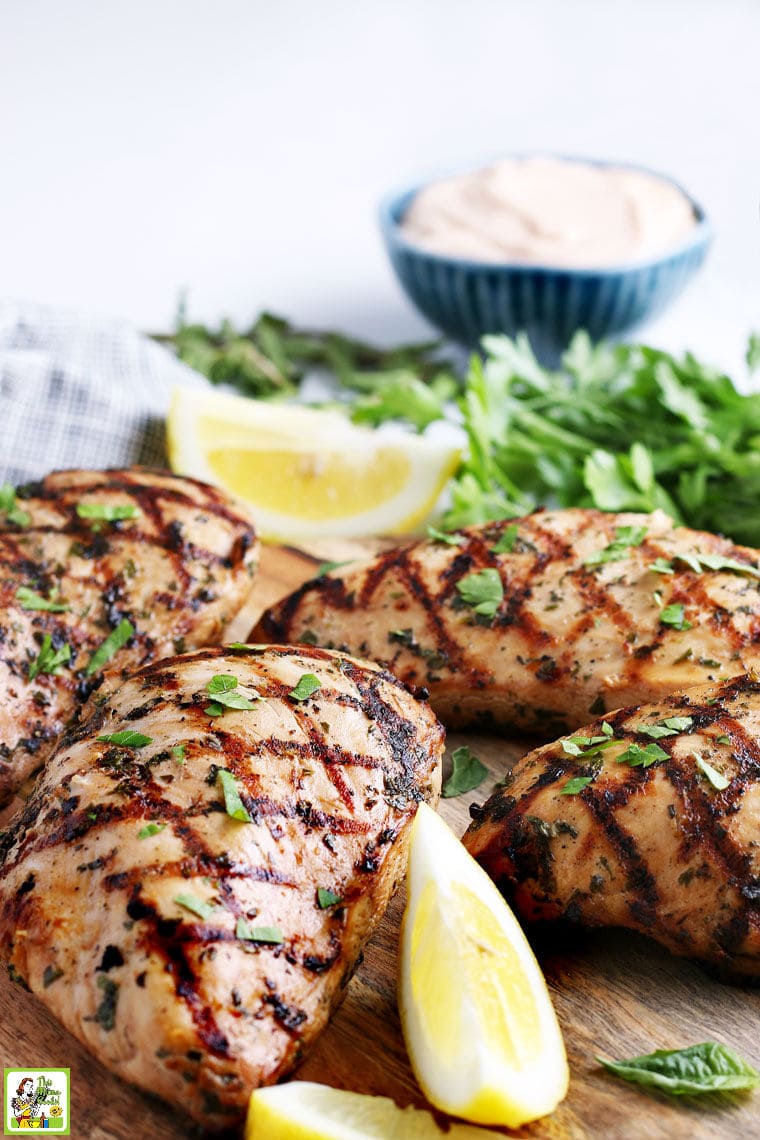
(615, 994)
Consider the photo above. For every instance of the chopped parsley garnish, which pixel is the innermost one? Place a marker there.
(701, 562)
(716, 778)
(271, 934)
(704, 1068)
(575, 785)
(467, 772)
(483, 591)
(112, 644)
(326, 567)
(150, 829)
(197, 906)
(638, 756)
(327, 898)
(589, 745)
(30, 600)
(108, 512)
(127, 739)
(506, 543)
(448, 538)
(222, 688)
(625, 538)
(674, 615)
(306, 687)
(49, 660)
(233, 804)
(178, 752)
(671, 726)
(723, 739)
(10, 508)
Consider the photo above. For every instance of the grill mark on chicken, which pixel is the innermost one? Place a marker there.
(78, 836)
(568, 639)
(153, 570)
(658, 849)
(443, 644)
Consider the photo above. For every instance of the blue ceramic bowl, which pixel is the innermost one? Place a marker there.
(466, 299)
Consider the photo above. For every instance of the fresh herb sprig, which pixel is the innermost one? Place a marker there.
(622, 427)
(467, 772)
(409, 382)
(705, 1068)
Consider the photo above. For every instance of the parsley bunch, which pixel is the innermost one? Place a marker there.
(621, 427)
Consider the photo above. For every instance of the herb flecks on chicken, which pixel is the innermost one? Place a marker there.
(103, 571)
(540, 622)
(210, 883)
(647, 819)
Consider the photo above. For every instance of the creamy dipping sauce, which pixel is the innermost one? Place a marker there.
(550, 211)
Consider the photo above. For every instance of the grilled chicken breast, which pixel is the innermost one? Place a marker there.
(102, 571)
(191, 884)
(539, 623)
(648, 819)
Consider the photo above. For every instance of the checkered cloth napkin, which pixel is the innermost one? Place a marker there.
(78, 392)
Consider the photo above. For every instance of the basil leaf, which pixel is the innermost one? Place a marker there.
(233, 804)
(197, 906)
(468, 772)
(271, 934)
(305, 688)
(30, 600)
(662, 566)
(483, 591)
(704, 1068)
(49, 660)
(327, 898)
(108, 512)
(178, 752)
(674, 615)
(127, 739)
(115, 641)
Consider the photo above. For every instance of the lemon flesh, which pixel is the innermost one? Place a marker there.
(478, 1021)
(302, 1110)
(306, 472)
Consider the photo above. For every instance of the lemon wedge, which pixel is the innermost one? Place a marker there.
(302, 1110)
(478, 1021)
(306, 473)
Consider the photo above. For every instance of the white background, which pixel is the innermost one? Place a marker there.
(238, 149)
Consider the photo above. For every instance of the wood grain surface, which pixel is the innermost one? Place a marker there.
(615, 994)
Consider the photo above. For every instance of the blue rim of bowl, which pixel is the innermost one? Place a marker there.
(390, 224)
